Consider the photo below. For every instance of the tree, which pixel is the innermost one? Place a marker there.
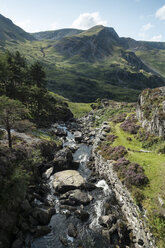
(11, 111)
(37, 74)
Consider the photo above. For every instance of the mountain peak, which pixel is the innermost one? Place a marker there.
(100, 29)
(10, 31)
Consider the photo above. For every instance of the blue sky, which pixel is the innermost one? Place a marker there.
(139, 19)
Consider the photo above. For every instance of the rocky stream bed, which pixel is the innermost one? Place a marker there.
(77, 205)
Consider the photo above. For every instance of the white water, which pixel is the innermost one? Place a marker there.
(99, 205)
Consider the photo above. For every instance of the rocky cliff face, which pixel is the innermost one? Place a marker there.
(151, 110)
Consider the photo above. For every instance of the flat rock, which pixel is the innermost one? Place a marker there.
(67, 180)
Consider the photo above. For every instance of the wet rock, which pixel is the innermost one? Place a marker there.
(66, 212)
(64, 241)
(42, 231)
(61, 132)
(89, 186)
(78, 136)
(72, 230)
(75, 165)
(63, 160)
(92, 133)
(68, 202)
(76, 197)
(105, 234)
(80, 197)
(105, 221)
(67, 180)
(48, 173)
(69, 208)
(82, 214)
(43, 216)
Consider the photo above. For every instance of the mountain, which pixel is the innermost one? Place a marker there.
(93, 44)
(86, 65)
(9, 31)
(56, 34)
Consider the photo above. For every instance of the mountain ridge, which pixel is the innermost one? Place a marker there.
(76, 60)
(10, 31)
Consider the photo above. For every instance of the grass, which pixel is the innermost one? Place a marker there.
(79, 80)
(154, 166)
(79, 109)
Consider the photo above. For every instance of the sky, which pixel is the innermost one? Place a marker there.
(138, 19)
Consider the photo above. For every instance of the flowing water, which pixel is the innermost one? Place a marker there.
(89, 234)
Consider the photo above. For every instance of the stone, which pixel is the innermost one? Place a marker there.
(106, 128)
(64, 241)
(78, 136)
(42, 231)
(105, 221)
(48, 173)
(43, 216)
(105, 234)
(67, 180)
(63, 159)
(72, 230)
(89, 186)
(81, 214)
(80, 197)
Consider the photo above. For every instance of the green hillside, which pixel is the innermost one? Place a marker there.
(9, 31)
(85, 65)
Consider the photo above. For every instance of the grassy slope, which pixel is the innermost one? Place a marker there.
(78, 109)
(73, 78)
(154, 166)
(155, 59)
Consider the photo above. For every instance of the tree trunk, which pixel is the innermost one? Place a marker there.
(9, 138)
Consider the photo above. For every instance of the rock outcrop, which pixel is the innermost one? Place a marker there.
(151, 110)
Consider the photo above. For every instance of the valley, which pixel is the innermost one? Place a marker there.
(82, 151)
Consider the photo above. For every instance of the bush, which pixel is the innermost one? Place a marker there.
(113, 153)
(130, 173)
(111, 138)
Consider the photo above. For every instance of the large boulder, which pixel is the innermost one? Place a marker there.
(77, 197)
(63, 159)
(67, 180)
(43, 216)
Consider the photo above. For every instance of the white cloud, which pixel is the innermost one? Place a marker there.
(88, 20)
(160, 13)
(156, 38)
(143, 31)
(147, 26)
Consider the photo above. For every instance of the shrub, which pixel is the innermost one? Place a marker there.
(111, 138)
(130, 173)
(113, 153)
(119, 118)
